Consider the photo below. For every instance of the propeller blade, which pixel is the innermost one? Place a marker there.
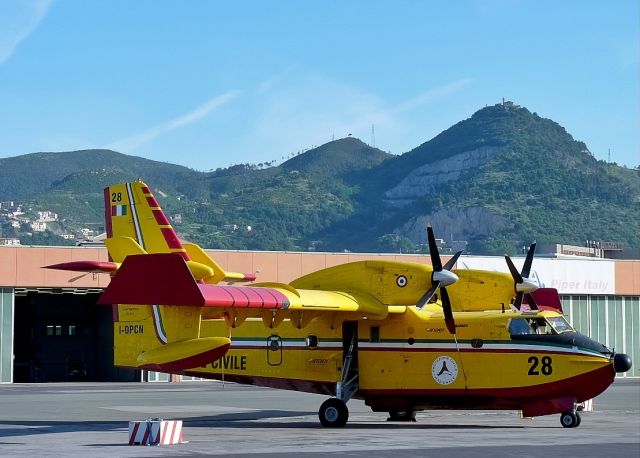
(426, 297)
(526, 269)
(522, 284)
(433, 250)
(532, 302)
(450, 263)
(514, 272)
(448, 313)
(518, 303)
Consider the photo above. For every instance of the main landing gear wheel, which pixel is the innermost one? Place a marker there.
(402, 415)
(570, 419)
(333, 413)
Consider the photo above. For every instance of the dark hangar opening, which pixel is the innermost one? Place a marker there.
(64, 337)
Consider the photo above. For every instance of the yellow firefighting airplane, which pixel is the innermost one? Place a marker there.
(371, 330)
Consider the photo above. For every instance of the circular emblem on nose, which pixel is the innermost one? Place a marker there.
(444, 370)
(401, 281)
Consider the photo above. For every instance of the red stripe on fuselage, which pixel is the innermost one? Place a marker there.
(473, 350)
(581, 387)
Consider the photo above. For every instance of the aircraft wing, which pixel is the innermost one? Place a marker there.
(166, 279)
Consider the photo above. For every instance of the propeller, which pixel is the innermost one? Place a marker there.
(523, 286)
(440, 278)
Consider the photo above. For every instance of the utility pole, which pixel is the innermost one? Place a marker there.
(373, 136)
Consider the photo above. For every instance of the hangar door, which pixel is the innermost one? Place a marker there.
(6, 334)
(63, 336)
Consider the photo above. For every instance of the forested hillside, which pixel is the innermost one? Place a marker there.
(494, 182)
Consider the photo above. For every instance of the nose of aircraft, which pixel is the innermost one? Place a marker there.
(621, 362)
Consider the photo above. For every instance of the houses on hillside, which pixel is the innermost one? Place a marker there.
(13, 216)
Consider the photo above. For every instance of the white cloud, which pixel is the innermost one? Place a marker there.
(269, 83)
(308, 111)
(433, 95)
(19, 19)
(131, 143)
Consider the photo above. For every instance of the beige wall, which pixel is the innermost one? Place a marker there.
(628, 278)
(21, 266)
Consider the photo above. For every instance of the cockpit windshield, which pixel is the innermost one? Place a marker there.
(539, 326)
(560, 324)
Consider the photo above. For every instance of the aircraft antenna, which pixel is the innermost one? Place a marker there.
(464, 373)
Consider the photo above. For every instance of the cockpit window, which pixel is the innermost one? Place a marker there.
(529, 326)
(559, 324)
(520, 327)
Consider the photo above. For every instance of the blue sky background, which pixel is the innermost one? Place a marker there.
(209, 84)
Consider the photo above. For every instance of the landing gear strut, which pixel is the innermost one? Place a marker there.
(334, 412)
(570, 419)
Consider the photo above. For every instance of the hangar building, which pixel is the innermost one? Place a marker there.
(52, 330)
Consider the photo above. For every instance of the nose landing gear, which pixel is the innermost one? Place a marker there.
(570, 419)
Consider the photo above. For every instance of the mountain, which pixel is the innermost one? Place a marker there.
(500, 179)
(286, 205)
(497, 180)
(30, 174)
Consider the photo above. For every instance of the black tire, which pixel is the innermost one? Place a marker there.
(333, 413)
(569, 419)
(579, 417)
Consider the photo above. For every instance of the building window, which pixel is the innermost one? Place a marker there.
(59, 330)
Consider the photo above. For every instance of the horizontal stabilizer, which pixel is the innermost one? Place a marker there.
(121, 247)
(85, 266)
(165, 279)
(233, 277)
(217, 273)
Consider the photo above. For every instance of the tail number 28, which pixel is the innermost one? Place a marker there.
(545, 367)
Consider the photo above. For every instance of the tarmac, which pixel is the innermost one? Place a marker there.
(91, 419)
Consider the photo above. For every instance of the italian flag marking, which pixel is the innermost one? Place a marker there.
(118, 210)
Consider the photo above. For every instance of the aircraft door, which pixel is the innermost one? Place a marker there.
(274, 350)
(349, 335)
(349, 378)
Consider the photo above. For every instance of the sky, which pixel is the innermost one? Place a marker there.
(209, 84)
